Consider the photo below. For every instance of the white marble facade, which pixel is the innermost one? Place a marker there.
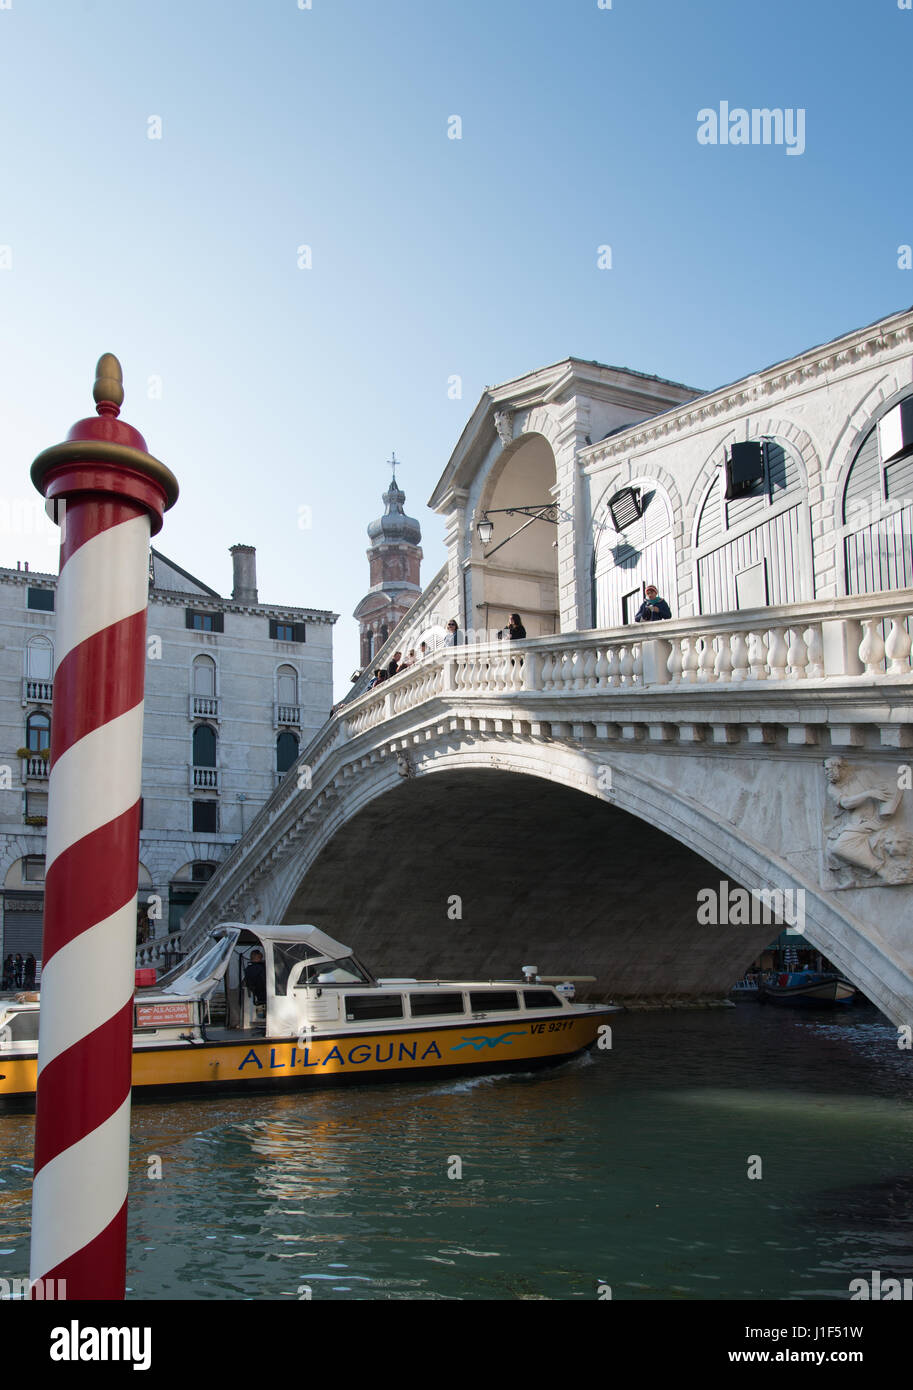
(576, 432)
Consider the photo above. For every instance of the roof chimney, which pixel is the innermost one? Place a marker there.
(244, 567)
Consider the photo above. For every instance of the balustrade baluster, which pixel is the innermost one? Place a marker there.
(689, 659)
(575, 675)
(706, 662)
(871, 648)
(674, 662)
(740, 671)
(757, 656)
(722, 665)
(814, 645)
(777, 654)
(627, 665)
(637, 663)
(897, 647)
(797, 654)
(613, 671)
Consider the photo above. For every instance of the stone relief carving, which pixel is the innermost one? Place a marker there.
(405, 765)
(504, 425)
(868, 839)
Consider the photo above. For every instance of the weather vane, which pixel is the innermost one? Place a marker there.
(394, 464)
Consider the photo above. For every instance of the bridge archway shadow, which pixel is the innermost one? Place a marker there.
(472, 874)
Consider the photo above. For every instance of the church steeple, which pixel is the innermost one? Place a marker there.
(395, 558)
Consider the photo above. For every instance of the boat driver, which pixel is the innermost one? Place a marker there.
(255, 977)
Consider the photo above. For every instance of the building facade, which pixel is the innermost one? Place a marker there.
(234, 690)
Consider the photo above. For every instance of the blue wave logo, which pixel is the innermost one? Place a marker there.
(480, 1043)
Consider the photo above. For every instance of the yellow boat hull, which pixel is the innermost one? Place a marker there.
(271, 1063)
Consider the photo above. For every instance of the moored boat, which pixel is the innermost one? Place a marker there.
(807, 989)
(312, 1014)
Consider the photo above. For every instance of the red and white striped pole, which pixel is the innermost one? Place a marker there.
(113, 494)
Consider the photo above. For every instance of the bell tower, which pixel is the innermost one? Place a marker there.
(394, 558)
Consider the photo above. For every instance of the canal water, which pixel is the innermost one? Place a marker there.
(627, 1168)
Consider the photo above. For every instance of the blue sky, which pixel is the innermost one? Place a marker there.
(284, 388)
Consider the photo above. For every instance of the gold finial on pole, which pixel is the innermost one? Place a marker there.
(109, 384)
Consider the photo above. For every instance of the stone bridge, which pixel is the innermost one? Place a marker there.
(592, 802)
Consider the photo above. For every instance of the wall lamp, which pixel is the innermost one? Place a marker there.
(545, 511)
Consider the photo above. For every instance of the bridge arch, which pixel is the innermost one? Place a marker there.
(572, 876)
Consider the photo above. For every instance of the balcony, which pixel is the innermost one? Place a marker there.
(287, 715)
(204, 779)
(204, 707)
(35, 768)
(37, 692)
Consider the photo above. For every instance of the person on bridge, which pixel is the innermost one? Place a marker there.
(394, 664)
(515, 629)
(453, 637)
(653, 607)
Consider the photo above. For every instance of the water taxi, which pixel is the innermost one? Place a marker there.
(282, 1007)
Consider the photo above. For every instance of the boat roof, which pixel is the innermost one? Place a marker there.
(309, 935)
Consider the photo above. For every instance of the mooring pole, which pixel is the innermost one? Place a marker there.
(109, 496)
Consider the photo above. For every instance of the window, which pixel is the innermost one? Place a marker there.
(204, 622)
(287, 683)
(204, 675)
(204, 746)
(33, 868)
(362, 1007)
(286, 751)
(180, 899)
(37, 733)
(41, 599)
(39, 659)
(205, 817)
(423, 1005)
(201, 871)
(484, 1001)
(540, 999)
(36, 808)
(284, 631)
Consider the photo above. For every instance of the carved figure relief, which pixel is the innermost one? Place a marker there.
(867, 837)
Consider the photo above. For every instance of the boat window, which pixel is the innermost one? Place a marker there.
(333, 972)
(285, 955)
(540, 998)
(483, 1001)
(367, 1006)
(23, 1026)
(423, 1005)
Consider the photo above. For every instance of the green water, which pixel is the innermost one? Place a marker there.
(627, 1168)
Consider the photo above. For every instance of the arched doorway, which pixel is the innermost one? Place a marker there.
(517, 570)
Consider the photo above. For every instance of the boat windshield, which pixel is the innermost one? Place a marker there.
(202, 970)
(345, 971)
(285, 955)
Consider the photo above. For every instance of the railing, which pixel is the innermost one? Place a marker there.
(835, 639)
(35, 769)
(204, 706)
(37, 692)
(287, 714)
(206, 777)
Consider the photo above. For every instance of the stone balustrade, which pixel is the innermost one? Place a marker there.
(836, 640)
